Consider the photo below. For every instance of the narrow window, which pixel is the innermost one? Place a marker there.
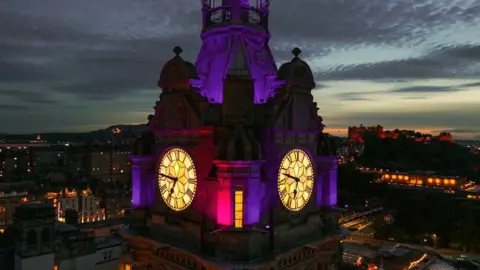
(238, 208)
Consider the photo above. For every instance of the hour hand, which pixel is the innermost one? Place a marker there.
(169, 177)
(290, 176)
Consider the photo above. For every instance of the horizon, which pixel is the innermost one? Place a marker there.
(403, 65)
(335, 132)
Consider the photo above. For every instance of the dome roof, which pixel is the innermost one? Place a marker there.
(144, 144)
(241, 145)
(177, 72)
(296, 72)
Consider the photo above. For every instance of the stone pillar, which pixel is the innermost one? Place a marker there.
(143, 180)
(243, 174)
(327, 180)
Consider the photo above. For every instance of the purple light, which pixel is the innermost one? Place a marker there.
(143, 181)
(327, 195)
(223, 40)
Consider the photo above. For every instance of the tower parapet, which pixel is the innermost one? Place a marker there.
(225, 12)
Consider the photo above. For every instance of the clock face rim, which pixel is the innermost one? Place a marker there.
(162, 179)
(280, 172)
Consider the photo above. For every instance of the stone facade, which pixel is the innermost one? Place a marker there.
(236, 115)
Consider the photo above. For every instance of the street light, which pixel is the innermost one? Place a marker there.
(434, 237)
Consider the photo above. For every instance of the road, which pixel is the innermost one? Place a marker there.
(359, 239)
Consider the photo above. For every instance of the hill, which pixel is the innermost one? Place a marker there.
(97, 135)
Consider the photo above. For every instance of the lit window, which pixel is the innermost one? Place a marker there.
(128, 266)
(238, 208)
(56, 267)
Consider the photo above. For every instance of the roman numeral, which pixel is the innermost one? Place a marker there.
(169, 158)
(191, 180)
(163, 187)
(296, 155)
(310, 178)
(190, 168)
(283, 192)
(289, 201)
(175, 203)
(308, 189)
(289, 158)
(190, 193)
(282, 181)
(309, 166)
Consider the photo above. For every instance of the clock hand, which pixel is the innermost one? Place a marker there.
(169, 177)
(170, 194)
(175, 180)
(291, 176)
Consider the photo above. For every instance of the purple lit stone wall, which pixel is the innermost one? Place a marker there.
(327, 171)
(143, 181)
(219, 48)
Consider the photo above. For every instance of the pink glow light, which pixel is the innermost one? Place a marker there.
(224, 205)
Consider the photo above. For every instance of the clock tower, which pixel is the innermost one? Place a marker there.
(235, 171)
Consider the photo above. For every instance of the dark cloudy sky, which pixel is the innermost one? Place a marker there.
(69, 65)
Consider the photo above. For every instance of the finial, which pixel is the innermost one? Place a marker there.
(296, 51)
(177, 50)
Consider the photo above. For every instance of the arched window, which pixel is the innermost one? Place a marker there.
(32, 238)
(45, 235)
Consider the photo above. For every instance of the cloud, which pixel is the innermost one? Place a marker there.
(443, 63)
(352, 96)
(459, 117)
(425, 89)
(476, 84)
(28, 96)
(459, 130)
(75, 52)
(414, 97)
(12, 107)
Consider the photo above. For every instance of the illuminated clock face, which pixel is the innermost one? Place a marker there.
(295, 179)
(177, 179)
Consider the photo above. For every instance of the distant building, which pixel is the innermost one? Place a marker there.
(12, 194)
(38, 242)
(424, 179)
(357, 134)
(109, 164)
(84, 202)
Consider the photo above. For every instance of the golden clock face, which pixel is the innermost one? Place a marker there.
(295, 179)
(177, 179)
